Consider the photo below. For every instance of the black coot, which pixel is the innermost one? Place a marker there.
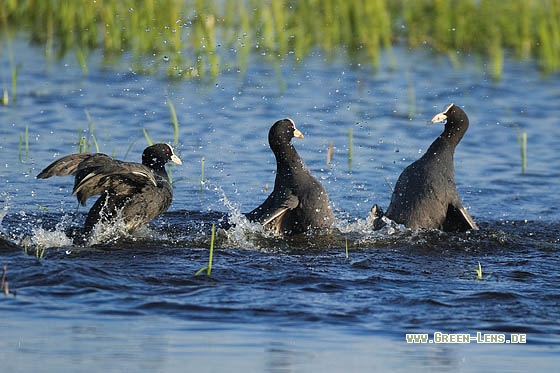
(137, 192)
(298, 202)
(425, 195)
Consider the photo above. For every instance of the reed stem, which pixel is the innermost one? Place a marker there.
(210, 258)
(522, 140)
(208, 268)
(175, 122)
(479, 272)
(202, 173)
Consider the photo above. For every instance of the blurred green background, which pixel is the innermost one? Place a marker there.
(194, 38)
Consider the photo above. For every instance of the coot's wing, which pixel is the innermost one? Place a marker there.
(458, 219)
(67, 165)
(272, 209)
(116, 177)
(276, 214)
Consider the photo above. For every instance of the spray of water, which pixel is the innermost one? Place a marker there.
(242, 233)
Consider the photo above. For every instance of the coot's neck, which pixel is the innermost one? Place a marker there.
(442, 149)
(455, 129)
(162, 172)
(156, 166)
(287, 160)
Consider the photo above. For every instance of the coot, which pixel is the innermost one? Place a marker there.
(298, 201)
(136, 192)
(425, 195)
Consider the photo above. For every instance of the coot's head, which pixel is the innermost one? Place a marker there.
(282, 132)
(157, 155)
(456, 122)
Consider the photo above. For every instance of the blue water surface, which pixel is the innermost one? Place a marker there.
(275, 304)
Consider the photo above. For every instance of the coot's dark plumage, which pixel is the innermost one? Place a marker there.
(298, 202)
(425, 195)
(138, 192)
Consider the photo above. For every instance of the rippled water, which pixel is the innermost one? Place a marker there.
(272, 304)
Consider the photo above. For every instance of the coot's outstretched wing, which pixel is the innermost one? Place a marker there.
(67, 165)
(96, 176)
(98, 173)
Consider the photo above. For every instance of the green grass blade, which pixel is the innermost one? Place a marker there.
(208, 268)
(200, 271)
(175, 122)
(211, 250)
(26, 142)
(91, 130)
(479, 272)
(147, 136)
(202, 173)
(19, 147)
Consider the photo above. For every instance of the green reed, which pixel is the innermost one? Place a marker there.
(88, 139)
(202, 166)
(23, 143)
(13, 66)
(201, 39)
(82, 142)
(91, 132)
(479, 272)
(208, 268)
(147, 136)
(330, 152)
(40, 253)
(174, 121)
(522, 140)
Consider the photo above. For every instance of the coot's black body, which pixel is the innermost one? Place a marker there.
(136, 192)
(298, 201)
(425, 195)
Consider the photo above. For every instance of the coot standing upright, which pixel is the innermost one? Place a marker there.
(298, 201)
(425, 195)
(136, 192)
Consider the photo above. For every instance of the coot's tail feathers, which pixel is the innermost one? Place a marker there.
(458, 219)
(67, 165)
(469, 220)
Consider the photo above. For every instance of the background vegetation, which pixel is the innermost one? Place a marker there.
(195, 38)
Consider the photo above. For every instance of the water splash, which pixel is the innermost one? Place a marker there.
(3, 213)
(42, 238)
(242, 233)
(5, 197)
